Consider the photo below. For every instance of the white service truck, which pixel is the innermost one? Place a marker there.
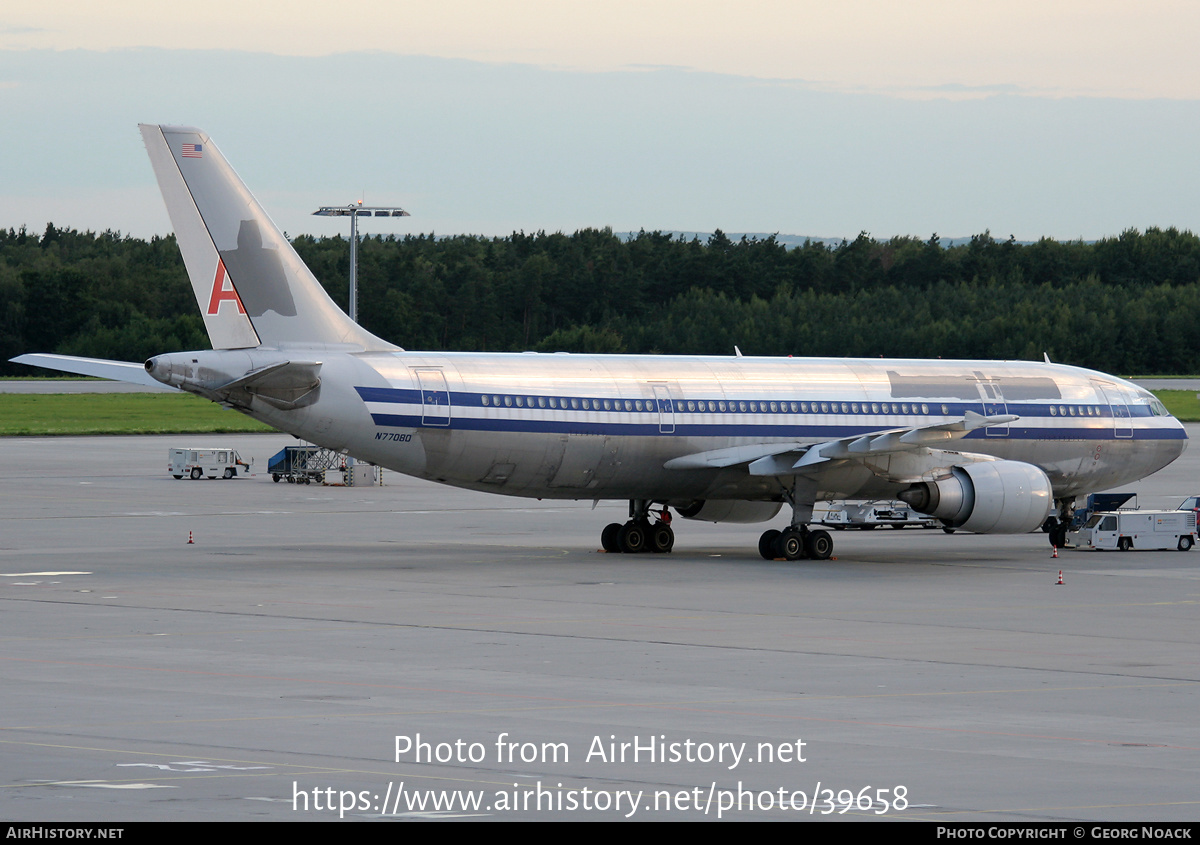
(1141, 530)
(212, 461)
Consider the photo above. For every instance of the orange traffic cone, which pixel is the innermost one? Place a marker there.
(1060, 580)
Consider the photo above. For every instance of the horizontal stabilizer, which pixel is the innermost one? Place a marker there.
(286, 385)
(96, 367)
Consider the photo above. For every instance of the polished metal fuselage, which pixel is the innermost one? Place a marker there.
(603, 426)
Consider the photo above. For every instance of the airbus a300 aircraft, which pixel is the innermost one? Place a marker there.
(986, 446)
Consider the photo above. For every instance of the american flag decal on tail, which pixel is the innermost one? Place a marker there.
(192, 151)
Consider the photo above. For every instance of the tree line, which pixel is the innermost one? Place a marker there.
(1122, 304)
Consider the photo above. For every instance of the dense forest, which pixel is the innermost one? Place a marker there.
(1126, 304)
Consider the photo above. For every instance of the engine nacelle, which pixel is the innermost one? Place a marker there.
(729, 510)
(993, 497)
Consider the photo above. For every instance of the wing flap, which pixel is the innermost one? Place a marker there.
(767, 459)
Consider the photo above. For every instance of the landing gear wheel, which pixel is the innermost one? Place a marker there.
(1185, 542)
(791, 544)
(610, 538)
(662, 538)
(1057, 535)
(766, 544)
(633, 537)
(196, 473)
(1124, 544)
(819, 545)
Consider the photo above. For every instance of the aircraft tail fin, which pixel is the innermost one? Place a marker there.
(251, 286)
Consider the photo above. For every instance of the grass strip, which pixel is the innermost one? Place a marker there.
(118, 413)
(1182, 404)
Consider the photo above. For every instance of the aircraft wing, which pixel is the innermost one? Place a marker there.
(97, 367)
(767, 459)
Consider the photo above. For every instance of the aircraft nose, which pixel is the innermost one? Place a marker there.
(1171, 449)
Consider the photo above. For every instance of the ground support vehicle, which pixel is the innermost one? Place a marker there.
(212, 461)
(1141, 530)
(303, 464)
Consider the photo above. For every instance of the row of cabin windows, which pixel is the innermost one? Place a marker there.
(709, 405)
(753, 407)
(1074, 410)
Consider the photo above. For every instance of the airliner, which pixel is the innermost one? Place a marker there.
(984, 446)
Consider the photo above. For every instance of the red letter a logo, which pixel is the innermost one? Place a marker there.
(220, 293)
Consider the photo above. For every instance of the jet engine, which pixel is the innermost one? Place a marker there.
(992, 497)
(729, 510)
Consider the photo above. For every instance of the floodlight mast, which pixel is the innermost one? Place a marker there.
(354, 211)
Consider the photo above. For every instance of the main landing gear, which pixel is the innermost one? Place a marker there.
(646, 531)
(796, 542)
(650, 531)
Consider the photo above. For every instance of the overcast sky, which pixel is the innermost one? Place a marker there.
(1071, 119)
